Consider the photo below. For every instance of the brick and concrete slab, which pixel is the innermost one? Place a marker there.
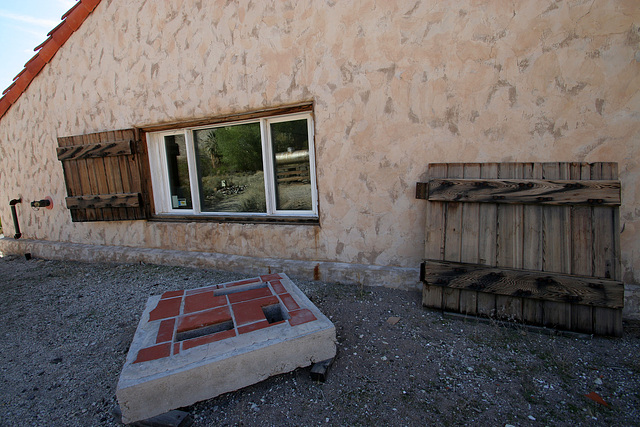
(197, 344)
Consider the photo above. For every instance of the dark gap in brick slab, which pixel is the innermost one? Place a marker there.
(274, 313)
(205, 330)
(241, 288)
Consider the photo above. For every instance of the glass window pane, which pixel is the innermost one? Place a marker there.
(178, 168)
(230, 172)
(290, 141)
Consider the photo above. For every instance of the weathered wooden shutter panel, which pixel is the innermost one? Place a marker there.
(106, 175)
(537, 242)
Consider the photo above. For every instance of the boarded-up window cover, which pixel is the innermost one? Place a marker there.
(105, 176)
(552, 229)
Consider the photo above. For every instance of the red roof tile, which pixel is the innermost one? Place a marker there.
(71, 21)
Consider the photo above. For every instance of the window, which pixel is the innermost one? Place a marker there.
(260, 167)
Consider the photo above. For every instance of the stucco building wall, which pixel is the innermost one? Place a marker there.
(396, 85)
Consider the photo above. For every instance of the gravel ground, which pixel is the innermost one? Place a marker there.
(67, 327)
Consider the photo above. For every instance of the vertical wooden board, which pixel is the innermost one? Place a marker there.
(434, 233)
(508, 307)
(556, 226)
(451, 299)
(532, 311)
(87, 180)
(606, 233)
(453, 219)
(509, 234)
(127, 168)
(111, 175)
(607, 321)
(487, 221)
(470, 221)
(468, 302)
(557, 314)
(72, 179)
(99, 166)
(581, 229)
(432, 296)
(532, 229)
(582, 318)
(486, 304)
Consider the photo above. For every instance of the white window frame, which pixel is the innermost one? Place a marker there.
(160, 176)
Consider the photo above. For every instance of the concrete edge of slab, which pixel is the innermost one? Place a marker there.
(189, 386)
(155, 386)
(367, 275)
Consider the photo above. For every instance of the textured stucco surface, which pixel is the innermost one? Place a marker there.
(396, 85)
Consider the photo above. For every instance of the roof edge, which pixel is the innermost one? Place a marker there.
(71, 21)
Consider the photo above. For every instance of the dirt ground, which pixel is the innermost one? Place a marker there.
(66, 328)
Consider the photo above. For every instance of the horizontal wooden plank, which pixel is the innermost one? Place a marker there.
(268, 112)
(77, 152)
(524, 283)
(124, 200)
(523, 191)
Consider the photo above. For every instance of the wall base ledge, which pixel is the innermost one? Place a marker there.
(337, 272)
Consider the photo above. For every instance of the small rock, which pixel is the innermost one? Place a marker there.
(598, 381)
(532, 418)
(393, 320)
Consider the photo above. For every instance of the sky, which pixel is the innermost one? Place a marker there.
(24, 24)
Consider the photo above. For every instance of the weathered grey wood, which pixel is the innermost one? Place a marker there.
(470, 215)
(432, 296)
(571, 243)
(128, 200)
(468, 302)
(525, 283)
(450, 299)
(607, 321)
(509, 307)
(486, 304)
(77, 152)
(487, 223)
(434, 233)
(453, 220)
(519, 191)
(606, 248)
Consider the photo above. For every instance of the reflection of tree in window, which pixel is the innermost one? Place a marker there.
(230, 169)
(178, 169)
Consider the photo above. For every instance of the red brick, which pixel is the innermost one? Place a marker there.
(154, 352)
(242, 282)
(270, 277)
(251, 311)
(203, 301)
(277, 287)
(207, 339)
(165, 333)
(203, 318)
(289, 302)
(299, 317)
(166, 308)
(171, 294)
(176, 348)
(249, 295)
(254, 327)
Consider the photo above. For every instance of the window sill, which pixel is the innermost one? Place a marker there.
(287, 220)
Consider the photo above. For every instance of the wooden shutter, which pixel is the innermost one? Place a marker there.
(537, 242)
(107, 176)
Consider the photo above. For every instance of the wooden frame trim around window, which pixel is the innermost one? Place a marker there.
(229, 118)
